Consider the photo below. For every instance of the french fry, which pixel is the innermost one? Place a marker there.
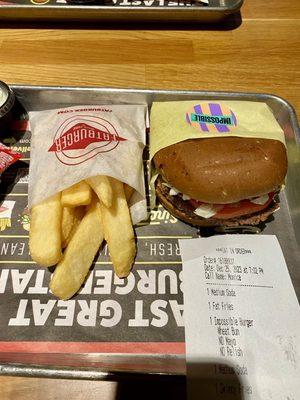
(73, 268)
(45, 231)
(71, 217)
(128, 192)
(118, 231)
(5, 223)
(79, 194)
(102, 187)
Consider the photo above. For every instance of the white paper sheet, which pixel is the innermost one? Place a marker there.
(242, 319)
(71, 144)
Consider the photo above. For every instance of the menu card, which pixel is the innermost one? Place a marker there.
(242, 320)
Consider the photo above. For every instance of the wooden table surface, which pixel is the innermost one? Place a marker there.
(262, 54)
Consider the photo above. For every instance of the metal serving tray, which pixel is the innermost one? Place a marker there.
(285, 225)
(121, 10)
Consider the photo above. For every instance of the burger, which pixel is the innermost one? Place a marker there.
(221, 181)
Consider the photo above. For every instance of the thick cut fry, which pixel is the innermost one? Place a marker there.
(79, 194)
(45, 231)
(72, 270)
(128, 192)
(5, 223)
(102, 187)
(71, 217)
(118, 231)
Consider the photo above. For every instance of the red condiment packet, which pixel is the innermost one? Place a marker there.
(7, 157)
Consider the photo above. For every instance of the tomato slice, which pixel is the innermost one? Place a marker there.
(234, 210)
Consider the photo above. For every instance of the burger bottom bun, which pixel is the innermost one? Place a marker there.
(183, 210)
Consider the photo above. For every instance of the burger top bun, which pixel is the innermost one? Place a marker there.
(223, 170)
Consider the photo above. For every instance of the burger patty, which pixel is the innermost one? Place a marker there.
(184, 210)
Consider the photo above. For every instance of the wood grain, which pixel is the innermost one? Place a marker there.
(17, 388)
(271, 9)
(261, 55)
(98, 51)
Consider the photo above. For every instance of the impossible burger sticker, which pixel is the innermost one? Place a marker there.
(176, 121)
(211, 117)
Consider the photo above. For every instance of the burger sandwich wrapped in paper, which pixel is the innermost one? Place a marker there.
(86, 183)
(217, 163)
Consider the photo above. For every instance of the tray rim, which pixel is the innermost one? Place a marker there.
(259, 95)
(43, 9)
(92, 373)
(83, 373)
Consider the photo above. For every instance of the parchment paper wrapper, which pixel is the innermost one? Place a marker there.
(173, 122)
(176, 121)
(74, 143)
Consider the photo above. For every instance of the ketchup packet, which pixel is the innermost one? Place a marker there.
(71, 144)
(7, 157)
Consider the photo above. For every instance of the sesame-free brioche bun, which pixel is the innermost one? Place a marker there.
(223, 170)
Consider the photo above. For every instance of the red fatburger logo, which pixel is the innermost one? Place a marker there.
(81, 138)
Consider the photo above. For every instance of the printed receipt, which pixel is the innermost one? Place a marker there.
(242, 319)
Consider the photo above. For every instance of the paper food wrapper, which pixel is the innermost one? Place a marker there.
(75, 143)
(173, 122)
